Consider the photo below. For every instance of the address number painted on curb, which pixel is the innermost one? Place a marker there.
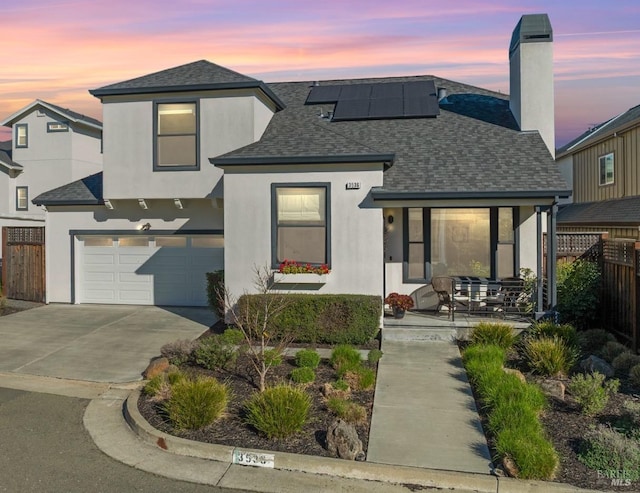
(253, 459)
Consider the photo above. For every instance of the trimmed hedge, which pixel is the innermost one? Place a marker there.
(322, 318)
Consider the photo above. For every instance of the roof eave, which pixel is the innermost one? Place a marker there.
(596, 139)
(9, 121)
(223, 162)
(54, 202)
(469, 195)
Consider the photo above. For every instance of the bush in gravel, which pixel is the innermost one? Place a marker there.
(374, 356)
(215, 353)
(341, 385)
(547, 328)
(196, 403)
(347, 410)
(495, 334)
(578, 292)
(612, 349)
(307, 358)
(159, 387)
(593, 340)
(604, 449)
(484, 366)
(532, 453)
(361, 378)
(232, 336)
(625, 361)
(303, 375)
(179, 352)
(278, 411)
(634, 376)
(550, 356)
(591, 392)
(345, 358)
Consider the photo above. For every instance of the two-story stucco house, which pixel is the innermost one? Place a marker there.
(387, 181)
(51, 146)
(603, 166)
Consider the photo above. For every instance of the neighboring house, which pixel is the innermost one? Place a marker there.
(51, 146)
(387, 181)
(603, 164)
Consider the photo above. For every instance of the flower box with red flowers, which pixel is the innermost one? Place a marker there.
(292, 272)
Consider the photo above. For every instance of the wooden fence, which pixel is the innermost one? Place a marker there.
(23, 263)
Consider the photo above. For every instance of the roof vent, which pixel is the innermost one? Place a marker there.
(442, 96)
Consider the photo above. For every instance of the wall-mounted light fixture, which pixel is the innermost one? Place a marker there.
(108, 204)
(178, 204)
(390, 219)
(144, 227)
(142, 204)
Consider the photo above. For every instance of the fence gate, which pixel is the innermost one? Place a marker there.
(23, 263)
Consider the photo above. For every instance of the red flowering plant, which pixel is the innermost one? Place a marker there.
(399, 301)
(293, 267)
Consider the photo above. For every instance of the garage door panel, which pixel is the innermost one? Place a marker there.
(99, 295)
(97, 276)
(99, 259)
(132, 259)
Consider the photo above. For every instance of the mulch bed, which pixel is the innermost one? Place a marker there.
(231, 429)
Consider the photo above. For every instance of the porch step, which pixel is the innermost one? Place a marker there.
(412, 333)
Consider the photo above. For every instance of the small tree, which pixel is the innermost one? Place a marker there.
(254, 318)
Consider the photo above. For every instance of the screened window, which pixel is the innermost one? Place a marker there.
(171, 241)
(98, 241)
(22, 135)
(177, 136)
(22, 198)
(301, 224)
(606, 169)
(133, 241)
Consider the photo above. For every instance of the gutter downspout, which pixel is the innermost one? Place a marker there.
(552, 248)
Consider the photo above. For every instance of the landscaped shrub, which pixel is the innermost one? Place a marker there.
(550, 356)
(532, 453)
(216, 293)
(196, 403)
(307, 358)
(496, 334)
(612, 349)
(578, 292)
(634, 376)
(303, 375)
(341, 385)
(330, 319)
(374, 356)
(179, 352)
(361, 378)
(233, 337)
(509, 389)
(484, 366)
(604, 449)
(625, 361)
(279, 411)
(591, 392)
(593, 340)
(214, 353)
(547, 328)
(347, 410)
(156, 385)
(345, 358)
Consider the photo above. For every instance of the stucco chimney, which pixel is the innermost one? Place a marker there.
(531, 76)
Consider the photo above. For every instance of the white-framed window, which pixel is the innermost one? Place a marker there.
(301, 223)
(605, 166)
(176, 139)
(22, 198)
(22, 135)
(57, 127)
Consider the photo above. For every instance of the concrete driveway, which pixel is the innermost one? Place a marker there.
(98, 343)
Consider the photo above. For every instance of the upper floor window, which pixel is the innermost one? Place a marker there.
(301, 226)
(22, 198)
(57, 127)
(606, 169)
(176, 145)
(22, 135)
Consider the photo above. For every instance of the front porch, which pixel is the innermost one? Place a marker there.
(437, 326)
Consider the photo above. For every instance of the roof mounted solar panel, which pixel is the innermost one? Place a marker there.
(323, 95)
(386, 90)
(351, 109)
(386, 108)
(355, 91)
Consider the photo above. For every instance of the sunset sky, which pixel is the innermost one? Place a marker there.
(57, 50)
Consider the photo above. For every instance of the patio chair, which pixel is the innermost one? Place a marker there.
(445, 288)
(508, 299)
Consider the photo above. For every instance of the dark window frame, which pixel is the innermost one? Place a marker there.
(274, 218)
(156, 104)
(26, 136)
(57, 130)
(26, 192)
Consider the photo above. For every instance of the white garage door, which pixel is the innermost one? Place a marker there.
(148, 270)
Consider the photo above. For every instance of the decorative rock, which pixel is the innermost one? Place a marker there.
(156, 367)
(594, 364)
(553, 388)
(343, 441)
(517, 373)
(510, 467)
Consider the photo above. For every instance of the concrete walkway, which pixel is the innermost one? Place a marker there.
(424, 414)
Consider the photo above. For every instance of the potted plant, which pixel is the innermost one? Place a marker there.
(399, 303)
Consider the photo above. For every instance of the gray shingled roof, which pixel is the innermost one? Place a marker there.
(200, 75)
(87, 191)
(75, 115)
(614, 211)
(472, 146)
(5, 155)
(601, 131)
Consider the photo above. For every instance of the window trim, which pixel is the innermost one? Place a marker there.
(426, 232)
(603, 159)
(274, 218)
(26, 198)
(50, 130)
(26, 135)
(158, 102)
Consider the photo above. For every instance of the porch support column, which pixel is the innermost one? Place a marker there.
(552, 249)
(540, 257)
